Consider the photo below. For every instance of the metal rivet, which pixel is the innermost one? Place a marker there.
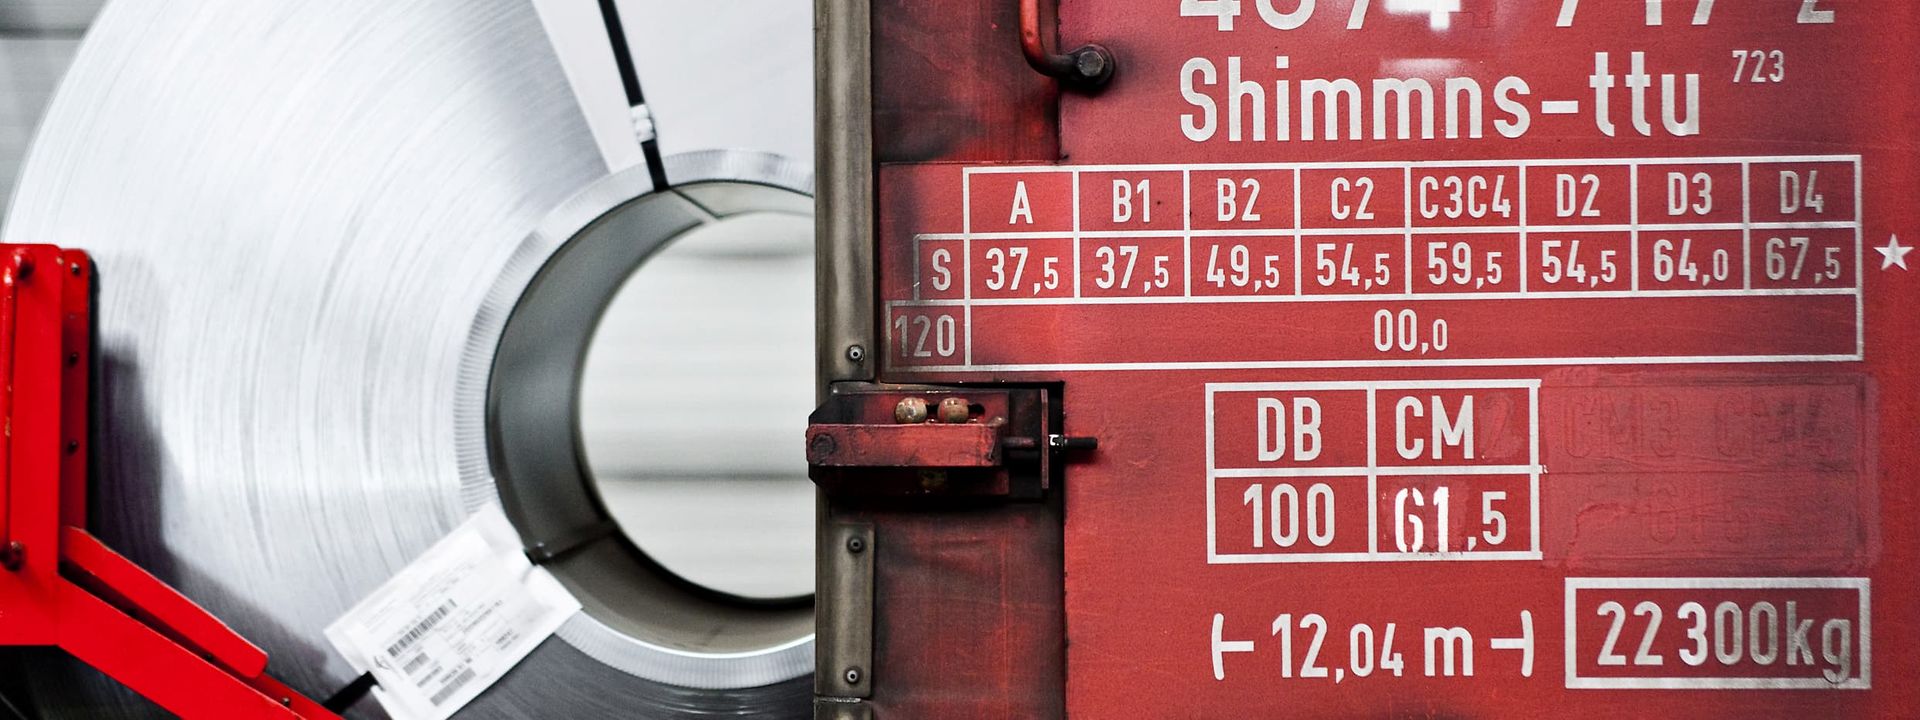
(856, 545)
(73, 446)
(856, 353)
(910, 411)
(853, 676)
(13, 555)
(73, 359)
(76, 269)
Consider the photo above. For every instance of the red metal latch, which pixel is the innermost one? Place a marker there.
(62, 587)
(903, 440)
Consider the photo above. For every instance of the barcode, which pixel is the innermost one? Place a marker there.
(425, 624)
(415, 664)
(458, 682)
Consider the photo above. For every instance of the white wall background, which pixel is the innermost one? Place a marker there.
(729, 74)
(37, 39)
(701, 374)
(43, 16)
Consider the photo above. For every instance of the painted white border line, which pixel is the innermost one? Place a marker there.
(1859, 259)
(1863, 679)
(1361, 165)
(1381, 470)
(1382, 297)
(1280, 232)
(1370, 557)
(1213, 556)
(1462, 384)
(1372, 472)
(1328, 364)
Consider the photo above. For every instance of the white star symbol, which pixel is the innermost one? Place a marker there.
(1893, 254)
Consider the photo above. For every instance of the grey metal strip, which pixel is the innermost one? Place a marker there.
(834, 709)
(843, 143)
(844, 612)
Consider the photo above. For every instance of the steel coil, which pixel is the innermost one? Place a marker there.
(312, 222)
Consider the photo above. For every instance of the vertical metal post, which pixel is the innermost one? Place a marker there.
(843, 193)
(845, 345)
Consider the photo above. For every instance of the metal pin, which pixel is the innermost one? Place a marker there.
(910, 411)
(954, 411)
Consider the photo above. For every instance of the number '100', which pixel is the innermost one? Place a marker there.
(1279, 513)
(920, 336)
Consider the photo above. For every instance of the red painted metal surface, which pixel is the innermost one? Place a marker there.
(950, 84)
(1567, 408)
(60, 586)
(923, 445)
(968, 613)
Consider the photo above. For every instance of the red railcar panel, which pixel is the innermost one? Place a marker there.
(1460, 358)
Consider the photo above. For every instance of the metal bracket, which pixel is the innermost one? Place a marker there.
(831, 709)
(844, 613)
(878, 440)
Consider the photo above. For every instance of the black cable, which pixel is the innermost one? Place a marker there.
(345, 697)
(630, 82)
(14, 662)
(12, 708)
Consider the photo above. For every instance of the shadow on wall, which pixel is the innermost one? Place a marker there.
(37, 41)
(30, 68)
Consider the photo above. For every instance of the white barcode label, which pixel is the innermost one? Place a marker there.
(454, 621)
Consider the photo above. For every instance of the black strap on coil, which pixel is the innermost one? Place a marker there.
(347, 696)
(630, 82)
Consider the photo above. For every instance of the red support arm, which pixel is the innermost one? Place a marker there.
(60, 586)
(155, 666)
(95, 568)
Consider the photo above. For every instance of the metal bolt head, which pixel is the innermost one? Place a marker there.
(856, 353)
(822, 446)
(856, 545)
(910, 411)
(1090, 63)
(13, 555)
(853, 676)
(954, 411)
(1092, 69)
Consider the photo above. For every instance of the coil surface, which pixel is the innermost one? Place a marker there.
(311, 221)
